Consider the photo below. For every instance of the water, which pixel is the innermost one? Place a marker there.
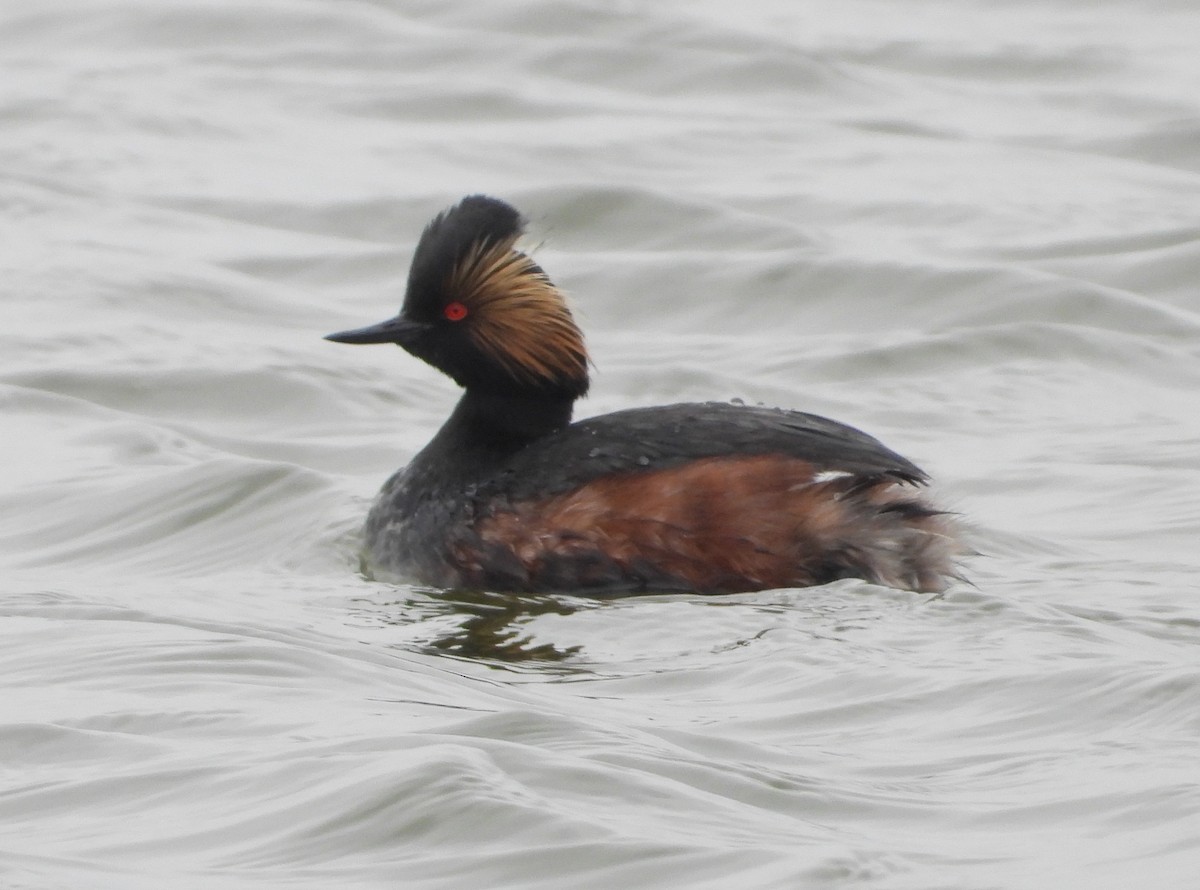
(970, 228)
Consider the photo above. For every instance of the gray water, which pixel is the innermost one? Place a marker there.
(971, 228)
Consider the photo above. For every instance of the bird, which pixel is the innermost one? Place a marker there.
(511, 495)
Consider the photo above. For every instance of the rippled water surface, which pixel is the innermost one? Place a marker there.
(970, 228)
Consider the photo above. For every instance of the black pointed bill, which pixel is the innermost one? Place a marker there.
(394, 330)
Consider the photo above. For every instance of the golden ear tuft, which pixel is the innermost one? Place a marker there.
(519, 319)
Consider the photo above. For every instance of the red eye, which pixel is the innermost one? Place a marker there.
(455, 311)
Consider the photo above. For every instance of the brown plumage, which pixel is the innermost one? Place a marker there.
(721, 524)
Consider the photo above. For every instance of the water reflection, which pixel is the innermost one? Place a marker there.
(493, 626)
(483, 625)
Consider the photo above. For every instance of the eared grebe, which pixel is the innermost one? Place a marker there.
(716, 498)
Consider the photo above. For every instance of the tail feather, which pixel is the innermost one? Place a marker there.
(890, 535)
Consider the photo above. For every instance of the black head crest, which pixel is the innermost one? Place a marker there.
(484, 312)
(477, 224)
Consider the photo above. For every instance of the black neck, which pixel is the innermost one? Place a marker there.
(488, 427)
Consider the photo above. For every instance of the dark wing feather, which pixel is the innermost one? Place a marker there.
(643, 439)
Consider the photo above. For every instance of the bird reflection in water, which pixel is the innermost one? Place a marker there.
(487, 626)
